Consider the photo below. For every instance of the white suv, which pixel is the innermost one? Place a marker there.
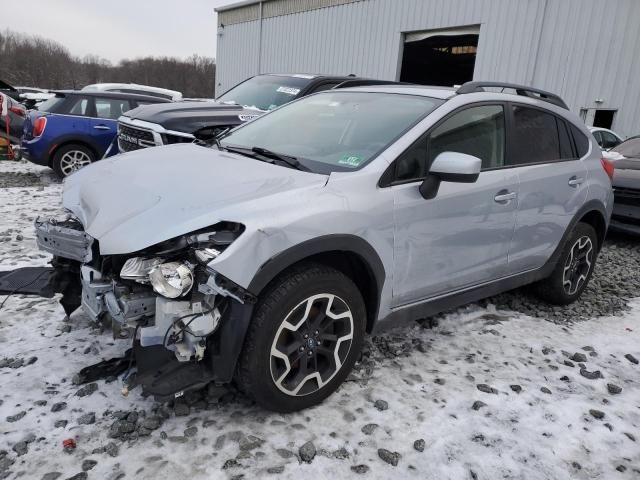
(266, 259)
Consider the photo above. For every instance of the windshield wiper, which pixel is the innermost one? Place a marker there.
(288, 159)
(247, 152)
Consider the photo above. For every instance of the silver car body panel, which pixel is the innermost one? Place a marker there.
(459, 239)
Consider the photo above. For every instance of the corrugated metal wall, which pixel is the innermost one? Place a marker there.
(582, 49)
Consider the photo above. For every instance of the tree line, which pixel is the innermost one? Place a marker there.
(33, 61)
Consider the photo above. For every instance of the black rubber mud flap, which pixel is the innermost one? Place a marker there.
(28, 281)
(163, 376)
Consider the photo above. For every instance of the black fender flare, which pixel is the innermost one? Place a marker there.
(233, 330)
(588, 207)
(324, 244)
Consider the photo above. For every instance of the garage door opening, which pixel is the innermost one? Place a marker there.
(598, 117)
(440, 57)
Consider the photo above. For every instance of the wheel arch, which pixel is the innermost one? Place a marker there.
(72, 141)
(349, 254)
(596, 219)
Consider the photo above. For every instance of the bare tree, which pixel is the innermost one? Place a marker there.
(39, 62)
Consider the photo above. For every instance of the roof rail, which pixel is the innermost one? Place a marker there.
(360, 82)
(522, 90)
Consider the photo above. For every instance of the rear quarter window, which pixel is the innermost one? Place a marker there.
(581, 141)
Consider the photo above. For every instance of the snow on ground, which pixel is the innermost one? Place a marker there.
(412, 384)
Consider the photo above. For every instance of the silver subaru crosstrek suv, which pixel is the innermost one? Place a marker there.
(265, 260)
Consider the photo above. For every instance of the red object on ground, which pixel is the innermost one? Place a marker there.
(69, 443)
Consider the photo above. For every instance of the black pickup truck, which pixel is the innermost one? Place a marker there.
(203, 121)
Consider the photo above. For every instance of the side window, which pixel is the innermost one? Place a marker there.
(477, 131)
(609, 140)
(324, 86)
(111, 107)
(598, 136)
(566, 149)
(581, 141)
(535, 137)
(80, 107)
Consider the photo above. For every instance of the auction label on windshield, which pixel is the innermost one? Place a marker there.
(350, 160)
(289, 90)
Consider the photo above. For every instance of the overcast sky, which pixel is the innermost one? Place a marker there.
(117, 29)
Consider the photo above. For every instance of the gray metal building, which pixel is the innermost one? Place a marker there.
(588, 51)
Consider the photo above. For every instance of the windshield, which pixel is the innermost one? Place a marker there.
(629, 148)
(334, 131)
(265, 92)
(50, 105)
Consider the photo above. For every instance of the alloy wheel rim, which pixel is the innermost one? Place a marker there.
(73, 160)
(578, 265)
(311, 344)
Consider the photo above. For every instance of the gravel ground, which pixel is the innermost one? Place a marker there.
(507, 388)
(614, 282)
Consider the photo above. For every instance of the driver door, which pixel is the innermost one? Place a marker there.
(461, 237)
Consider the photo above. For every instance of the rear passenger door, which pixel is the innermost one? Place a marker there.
(105, 125)
(552, 184)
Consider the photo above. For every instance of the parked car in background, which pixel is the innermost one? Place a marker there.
(204, 121)
(266, 260)
(31, 96)
(626, 186)
(17, 114)
(75, 128)
(9, 90)
(137, 89)
(25, 95)
(606, 138)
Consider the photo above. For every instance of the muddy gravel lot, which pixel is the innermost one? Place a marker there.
(506, 388)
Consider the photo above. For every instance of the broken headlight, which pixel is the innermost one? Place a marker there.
(138, 268)
(210, 242)
(172, 279)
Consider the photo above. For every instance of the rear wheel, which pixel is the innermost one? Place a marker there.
(71, 158)
(574, 268)
(305, 337)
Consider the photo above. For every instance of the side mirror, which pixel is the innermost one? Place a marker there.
(450, 167)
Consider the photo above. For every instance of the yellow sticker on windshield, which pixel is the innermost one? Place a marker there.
(350, 160)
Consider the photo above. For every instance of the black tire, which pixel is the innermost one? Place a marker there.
(554, 289)
(62, 157)
(285, 299)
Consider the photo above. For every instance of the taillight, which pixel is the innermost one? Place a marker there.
(21, 112)
(39, 125)
(608, 166)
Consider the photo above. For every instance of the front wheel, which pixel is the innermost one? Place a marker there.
(574, 268)
(305, 336)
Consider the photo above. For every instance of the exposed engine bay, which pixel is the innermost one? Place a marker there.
(163, 298)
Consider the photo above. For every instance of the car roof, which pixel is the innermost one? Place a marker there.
(107, 94)
(443, 93)
(149, 88)
(601, 129)
(317, 76)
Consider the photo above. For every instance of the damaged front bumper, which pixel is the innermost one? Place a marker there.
(178, 344)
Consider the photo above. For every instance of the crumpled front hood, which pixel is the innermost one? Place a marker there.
(138, 199)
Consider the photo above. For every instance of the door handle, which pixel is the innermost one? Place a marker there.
(505, 196)
(101, 127)
(575, 181)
